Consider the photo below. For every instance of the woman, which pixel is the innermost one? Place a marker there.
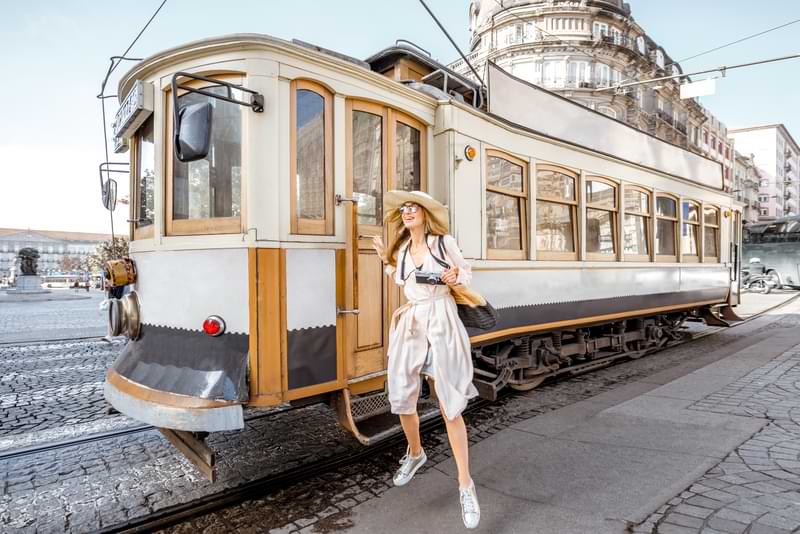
(426, 335)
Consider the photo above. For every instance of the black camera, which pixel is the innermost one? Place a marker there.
(430, 278)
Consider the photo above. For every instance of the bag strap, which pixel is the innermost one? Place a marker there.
(441, 262)
(403, 266)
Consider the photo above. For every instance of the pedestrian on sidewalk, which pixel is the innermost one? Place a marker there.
(426, 336)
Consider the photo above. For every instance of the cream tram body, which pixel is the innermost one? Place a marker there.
(303, 296)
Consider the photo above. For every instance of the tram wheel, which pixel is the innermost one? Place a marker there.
(528, 385)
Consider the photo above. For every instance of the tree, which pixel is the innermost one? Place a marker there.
(69, 264)
(107, 250)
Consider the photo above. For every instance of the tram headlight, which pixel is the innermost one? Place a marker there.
(124, 316)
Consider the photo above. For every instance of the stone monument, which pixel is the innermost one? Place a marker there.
(27, 280)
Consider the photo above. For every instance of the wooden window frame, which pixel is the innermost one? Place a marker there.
(576, 175)
(211, 225)
(138, 232)
(692, 258)
(393, 117)
(711, 259)
(382, 112)
(300, 225)
(675, 225)
(596, 256)
(522, 199)
(648, 218)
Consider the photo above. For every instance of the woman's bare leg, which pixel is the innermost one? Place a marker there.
(410, 423)
(457, 435)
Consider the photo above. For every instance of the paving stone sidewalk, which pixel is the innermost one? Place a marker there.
(755, 489)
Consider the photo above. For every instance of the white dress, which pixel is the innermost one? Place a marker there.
(429, 317)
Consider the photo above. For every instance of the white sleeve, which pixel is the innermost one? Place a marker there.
(457, 259)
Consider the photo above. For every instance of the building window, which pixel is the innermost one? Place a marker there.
(556, 208)
(603, 74)
(311, 171)
(666, 228)
(640, 45)
(599, 28)
(764, 212)
(506, 201)
(660, 58)
(601, 219)
(636, 227)
(710, 234)
(205, 196)
(145, 175)
(605, 110)
(690, 231)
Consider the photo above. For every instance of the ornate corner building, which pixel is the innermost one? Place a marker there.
(579, 49)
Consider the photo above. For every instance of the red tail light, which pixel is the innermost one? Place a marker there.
(214, 326)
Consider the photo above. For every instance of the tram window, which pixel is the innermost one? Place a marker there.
(506, 199)
(407, 158)
(207, 194)
(312, 159)
(601, 219)
(368, 166)
(636, 228)
(690, 231)
(666, 227)
(710, 234)
(145, 174)
(556, 207)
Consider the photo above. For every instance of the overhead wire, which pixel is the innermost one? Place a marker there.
(115, 61)
(737, 41)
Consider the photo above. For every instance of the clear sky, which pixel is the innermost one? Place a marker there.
(56, 54)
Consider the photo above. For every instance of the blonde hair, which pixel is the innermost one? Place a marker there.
(394, 219)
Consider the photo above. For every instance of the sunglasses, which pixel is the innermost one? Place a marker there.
(409, 208)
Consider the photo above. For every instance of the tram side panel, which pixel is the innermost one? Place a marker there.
(174, 375)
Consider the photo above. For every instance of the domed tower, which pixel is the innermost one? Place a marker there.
(579, 49)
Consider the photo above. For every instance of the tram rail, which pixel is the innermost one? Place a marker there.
(172, 515)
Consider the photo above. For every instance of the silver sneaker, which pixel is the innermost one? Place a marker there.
(408, 466)
(470, 509)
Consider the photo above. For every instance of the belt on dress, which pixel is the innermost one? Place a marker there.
(410, 304)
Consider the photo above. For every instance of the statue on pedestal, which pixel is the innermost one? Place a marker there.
(28, 261)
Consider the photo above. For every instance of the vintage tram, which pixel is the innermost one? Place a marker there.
(258, 167)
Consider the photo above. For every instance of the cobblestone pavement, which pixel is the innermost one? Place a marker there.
(38, 321)
(52, 385)
(79, 489)
(756, 489)
(323, 505)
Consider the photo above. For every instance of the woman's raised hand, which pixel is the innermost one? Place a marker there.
(377, 244)
(450, 276)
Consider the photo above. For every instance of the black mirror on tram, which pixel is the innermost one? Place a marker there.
(193, 132)
(110, 194)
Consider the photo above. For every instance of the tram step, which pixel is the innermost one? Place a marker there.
(369, 417)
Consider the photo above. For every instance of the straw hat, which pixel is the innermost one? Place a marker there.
(437, 211)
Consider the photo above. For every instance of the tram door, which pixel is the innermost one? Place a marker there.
(736, 257)
(386, 150)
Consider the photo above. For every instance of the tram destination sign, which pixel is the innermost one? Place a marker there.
(134, 110)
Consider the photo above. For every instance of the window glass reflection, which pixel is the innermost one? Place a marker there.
(554, 223)
(407, 158)
(710, 244)
(665, 237)
(310, 179)
(211, 187)
(691, 212)
(599, 232)
(146, 173)
(666, 207)
(635, 230)
(502, 173)
(368, 166)
(556, 185)
(503, 222)
(637, 201)
(689, 239)
(711, 215)
(601, 194)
